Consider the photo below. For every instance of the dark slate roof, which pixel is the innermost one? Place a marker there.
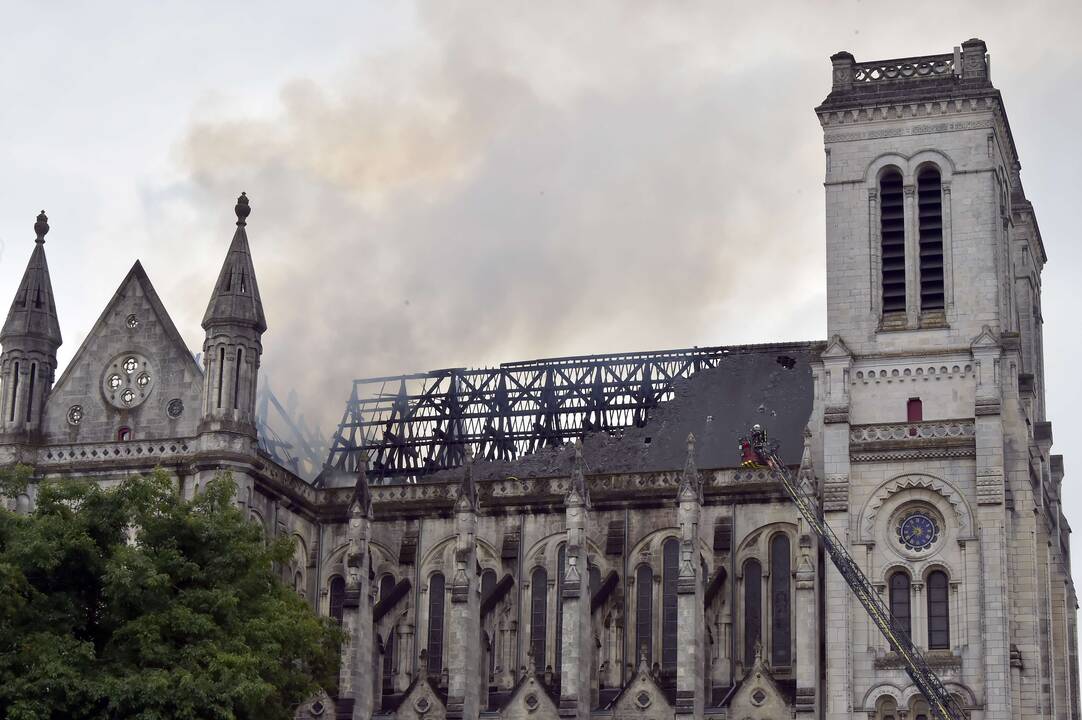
(767, 384)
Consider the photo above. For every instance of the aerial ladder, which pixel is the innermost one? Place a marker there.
(758, 451)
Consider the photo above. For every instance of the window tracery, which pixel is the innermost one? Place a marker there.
(436, 592)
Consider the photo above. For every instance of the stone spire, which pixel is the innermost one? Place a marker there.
(576, 661)
(467, 492)
(235, 299)
(33, 312)
(691, 482)
(362, 494)
(691, 621)
(30, 338)
(234, 324)
(356, 670)
(464, 683)
(578, 494)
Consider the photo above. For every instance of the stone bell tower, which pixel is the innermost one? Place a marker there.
(935, 444)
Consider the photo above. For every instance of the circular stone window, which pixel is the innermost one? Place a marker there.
(643, 699)
(175, 408)
(127, 380)
(132, 321)
(75, 414)
(917, 530)
(532, 702)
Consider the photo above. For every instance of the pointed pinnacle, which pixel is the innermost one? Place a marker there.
(41, 228)
(242, 209)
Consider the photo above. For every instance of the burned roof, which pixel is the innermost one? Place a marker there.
(740, 386)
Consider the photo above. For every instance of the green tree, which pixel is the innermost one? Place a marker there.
(130, 602)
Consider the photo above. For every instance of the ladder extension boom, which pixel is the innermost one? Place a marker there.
(758, 450)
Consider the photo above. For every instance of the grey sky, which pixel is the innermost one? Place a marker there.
(466, 183)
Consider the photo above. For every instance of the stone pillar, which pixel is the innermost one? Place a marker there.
(992, 529)
(691, 623)
(807, 636)
(842, 71)
(577, 639)
(838, 600)
(974, 64)
(358, 674)
(912, 252)
(463, 646)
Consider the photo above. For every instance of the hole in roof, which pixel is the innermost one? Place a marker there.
(786, 362)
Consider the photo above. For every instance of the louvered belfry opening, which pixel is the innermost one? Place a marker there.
(930, 214)
(892, 231)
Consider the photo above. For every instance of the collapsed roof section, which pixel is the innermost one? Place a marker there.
(633, 411)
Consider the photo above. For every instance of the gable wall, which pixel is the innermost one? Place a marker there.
(174, 375)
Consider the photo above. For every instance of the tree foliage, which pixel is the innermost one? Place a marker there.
(130, 602)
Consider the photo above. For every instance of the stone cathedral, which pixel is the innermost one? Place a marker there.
(641, 572)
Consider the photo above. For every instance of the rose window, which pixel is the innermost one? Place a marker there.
(128, 380)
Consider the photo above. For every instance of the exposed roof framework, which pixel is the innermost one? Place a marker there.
(412, 425)
(285, 435)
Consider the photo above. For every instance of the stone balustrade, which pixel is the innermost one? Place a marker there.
(916, 432)
(130, 450)
(913, 68)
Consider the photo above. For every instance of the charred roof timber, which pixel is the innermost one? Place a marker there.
(415, 425)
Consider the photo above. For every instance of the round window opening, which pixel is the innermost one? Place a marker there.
(175, 408)
(75, 414)
(918, 530)
(128, 380)
(132, 321)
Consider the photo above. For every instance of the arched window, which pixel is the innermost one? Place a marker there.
(892, 240)
(644, 613)
(435, 623)
(930, 227)
(886, 709)
(123, 434)
(939, 629)
(14, 391)
(30, 393)
(781, 649)
(338, 597)
(221, 373)
(236, 378)
(753, 609)
(539, 596)
(561, 569)
(386, 584)
(670, 555)
(899, 601)
(488, 584)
